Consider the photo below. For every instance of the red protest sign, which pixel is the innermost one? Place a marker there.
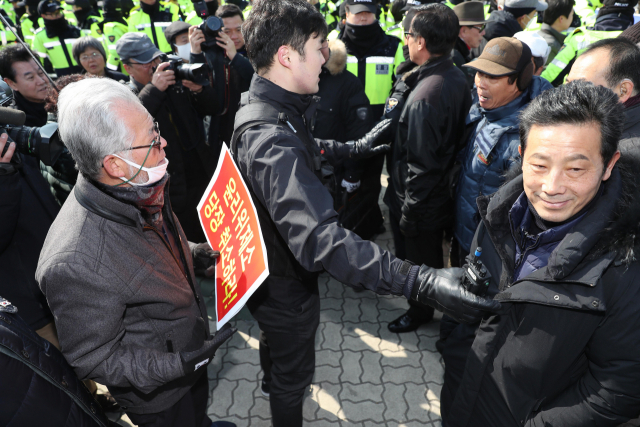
(230, 222)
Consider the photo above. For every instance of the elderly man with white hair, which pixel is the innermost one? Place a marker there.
(117, 269)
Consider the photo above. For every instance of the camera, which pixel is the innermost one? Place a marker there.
(197, 73)
(211, 27)
(42, 143)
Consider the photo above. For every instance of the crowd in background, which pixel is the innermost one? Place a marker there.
(451, 118)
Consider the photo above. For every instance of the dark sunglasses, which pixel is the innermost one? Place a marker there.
(480, 28)
(155, 142)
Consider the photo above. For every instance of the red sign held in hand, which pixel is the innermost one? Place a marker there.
(230, 222)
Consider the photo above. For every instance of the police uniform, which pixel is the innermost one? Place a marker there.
(6, 36)
(574, 45)
(55, 44)
(139, 21)
(28, 28)
(111, 33)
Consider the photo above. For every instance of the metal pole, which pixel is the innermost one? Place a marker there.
(6, 25)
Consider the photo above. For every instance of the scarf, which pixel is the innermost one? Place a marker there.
(36, 114)
(148, 199)
(634, 100)
(361, 38)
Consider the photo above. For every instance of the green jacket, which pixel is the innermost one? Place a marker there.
(141, 22)
(112, 31)
(28, 29)
(576, 43)
(58, 50)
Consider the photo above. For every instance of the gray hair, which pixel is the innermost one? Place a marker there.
(90, 121)
(83, 43)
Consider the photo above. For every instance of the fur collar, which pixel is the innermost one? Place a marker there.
(338, 60)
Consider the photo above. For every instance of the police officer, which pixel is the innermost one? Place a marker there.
(55, 41)
(279, 160)
(614, 17)
(151, 18)
(30, 21)
(113, 26)
(87, 19)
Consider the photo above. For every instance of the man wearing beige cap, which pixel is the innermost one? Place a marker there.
(505, 86)
(472, 25)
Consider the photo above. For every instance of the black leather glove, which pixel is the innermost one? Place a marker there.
(204, 260)
(442, 289)
(408, 228)
(368, 145)
(193, 360)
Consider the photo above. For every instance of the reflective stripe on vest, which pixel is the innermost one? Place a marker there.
(378, 79)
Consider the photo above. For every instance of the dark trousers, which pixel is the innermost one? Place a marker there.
(190, 411)
(287, 355)
(425, 248)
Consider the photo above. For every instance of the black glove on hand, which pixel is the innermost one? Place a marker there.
(192, 360)
(367, 146)
(408, 228)
(442, 289)
(204, 260)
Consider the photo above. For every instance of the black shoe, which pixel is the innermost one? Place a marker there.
(265, 389)
(406, 323)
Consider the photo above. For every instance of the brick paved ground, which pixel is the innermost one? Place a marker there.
(365, 375)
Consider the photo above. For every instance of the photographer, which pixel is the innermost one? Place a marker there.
(175, 105)
(230, 43)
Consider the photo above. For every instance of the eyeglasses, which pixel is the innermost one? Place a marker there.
(480, 28)
(408, 34)
(155, 142)
(93, 55)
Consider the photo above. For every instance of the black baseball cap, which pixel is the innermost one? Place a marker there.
(48, 6)
(357, 6)
(415, 3)
(80, 3)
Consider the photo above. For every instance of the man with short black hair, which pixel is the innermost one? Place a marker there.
(28, 81)
(281, 164)
(558, 240)
(613, 63)
(428, 138)
(557, 19)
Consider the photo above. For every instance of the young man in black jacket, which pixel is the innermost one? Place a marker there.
(559, 241)
(280, 162)
(428, 138)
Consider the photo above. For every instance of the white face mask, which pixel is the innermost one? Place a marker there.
(184, 51)
(531, 21)
(155, 173)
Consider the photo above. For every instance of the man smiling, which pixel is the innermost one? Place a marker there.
(559, 242)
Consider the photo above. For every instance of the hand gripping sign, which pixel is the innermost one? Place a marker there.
(230, 222)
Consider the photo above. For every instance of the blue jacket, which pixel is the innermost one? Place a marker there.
(490, 152)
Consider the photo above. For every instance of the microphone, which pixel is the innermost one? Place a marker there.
(9, 116)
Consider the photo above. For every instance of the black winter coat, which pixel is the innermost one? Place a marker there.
(565, 351)
(27, 210)
(39, 387)
(299, 224)
(429, 135)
